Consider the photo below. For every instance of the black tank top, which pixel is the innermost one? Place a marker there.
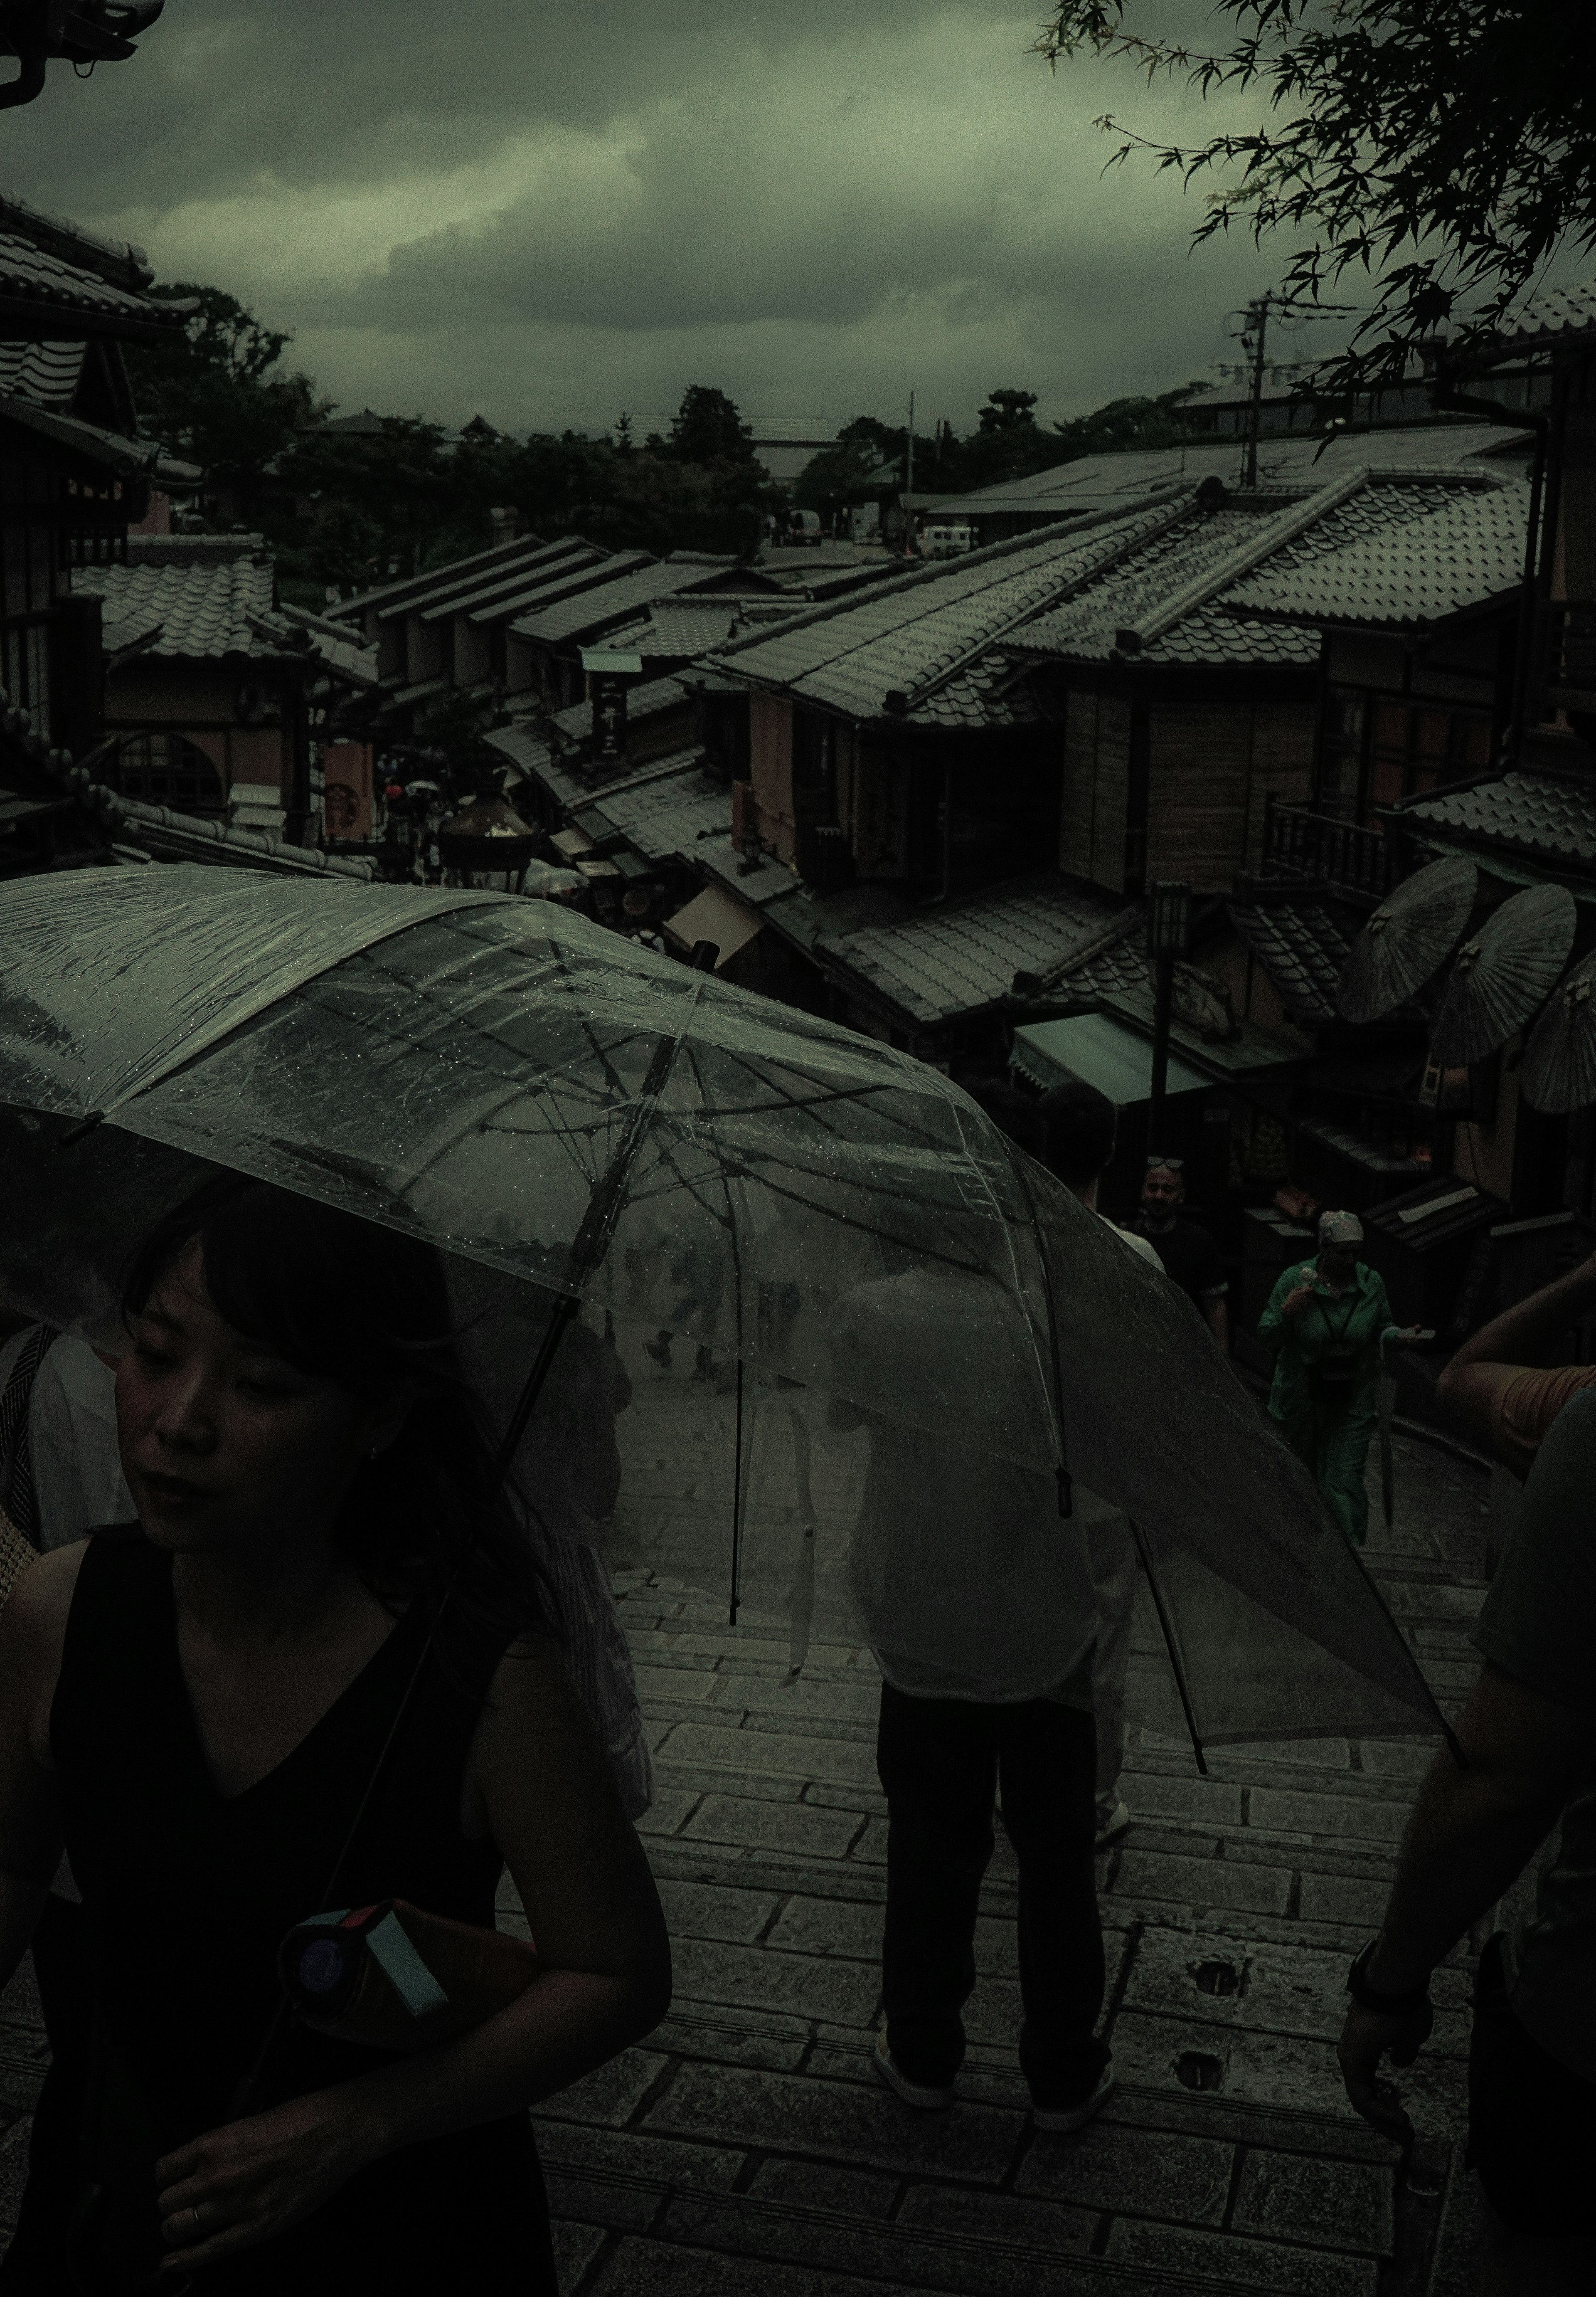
(188, 1893)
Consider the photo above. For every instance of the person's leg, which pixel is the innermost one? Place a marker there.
(1047, 1764)
(1114, 1569)
(1343, 1458)
(1532, 2136)
(938, 1764)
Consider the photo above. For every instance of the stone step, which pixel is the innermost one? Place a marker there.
(950, 2238)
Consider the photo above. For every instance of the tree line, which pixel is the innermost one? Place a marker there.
(346, 507)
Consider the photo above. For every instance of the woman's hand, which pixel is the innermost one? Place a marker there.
(1297, 1300)
(242, 2185)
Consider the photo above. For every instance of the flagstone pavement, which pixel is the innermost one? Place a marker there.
(745, 2149)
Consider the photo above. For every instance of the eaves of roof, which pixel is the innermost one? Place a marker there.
(584, 574)
(129, 458)
(390, 597)
(605, 606)
(488, 601)
(45, 295)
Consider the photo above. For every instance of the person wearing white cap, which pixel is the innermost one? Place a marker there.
(1324, 1320)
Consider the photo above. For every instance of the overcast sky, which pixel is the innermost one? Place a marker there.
(546, 209)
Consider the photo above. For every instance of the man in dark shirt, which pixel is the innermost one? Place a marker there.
(1190, 1257)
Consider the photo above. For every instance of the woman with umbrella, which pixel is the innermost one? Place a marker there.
(319, 1663)
(1325, 1320)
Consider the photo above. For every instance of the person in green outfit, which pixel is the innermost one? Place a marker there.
(1325, 1320)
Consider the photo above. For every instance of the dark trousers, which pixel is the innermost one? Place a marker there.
(940, 1761)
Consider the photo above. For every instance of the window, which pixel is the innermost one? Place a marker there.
(1377, 749)
(165, 769)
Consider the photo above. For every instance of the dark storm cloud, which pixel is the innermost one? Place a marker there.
(546, 210)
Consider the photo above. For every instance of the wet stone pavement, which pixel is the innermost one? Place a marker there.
(747, 2149)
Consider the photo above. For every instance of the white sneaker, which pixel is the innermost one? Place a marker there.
(1111, 1828)
(922, 2097)
(1076, 2117)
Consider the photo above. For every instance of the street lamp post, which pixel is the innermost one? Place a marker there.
(1169, 928)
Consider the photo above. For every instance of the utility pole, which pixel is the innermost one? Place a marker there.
(908, 487)
(1257, 319)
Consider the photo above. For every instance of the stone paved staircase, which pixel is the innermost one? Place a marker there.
(747, 2149)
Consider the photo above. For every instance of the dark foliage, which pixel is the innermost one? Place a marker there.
(1441, 150)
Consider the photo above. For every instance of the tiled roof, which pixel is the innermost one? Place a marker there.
(918, 631)
(499, 596)
(669, 814)
(68, 299)
(688, 627)
(1408, 570)
(410, 592)
(963, 957)
(610, 603)
(1301, 947)
(206, 612)
(47, 373)
(128, 456)
(1194, 558)
(1099, 481)
(1543, 815)
(1562, 315)
(338, 647)
(646, 701)
(991, 692)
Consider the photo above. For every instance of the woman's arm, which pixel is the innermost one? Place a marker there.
(1292, 1291)
(540, 1779)
(32, 1627)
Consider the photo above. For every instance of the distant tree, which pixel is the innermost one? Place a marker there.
(1439, 150)
(850, 472)
(1125, 423)
(399, 481)
(708, 428)
(217, 393)
(1008, 410)
(346, 548)
(623, 433)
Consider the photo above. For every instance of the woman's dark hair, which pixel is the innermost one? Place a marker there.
(367, 1307)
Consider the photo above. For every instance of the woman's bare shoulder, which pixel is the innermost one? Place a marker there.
(34, 1615)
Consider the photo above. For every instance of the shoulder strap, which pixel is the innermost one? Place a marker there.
(16, 1463)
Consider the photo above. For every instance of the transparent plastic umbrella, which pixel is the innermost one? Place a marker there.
(871, 1349)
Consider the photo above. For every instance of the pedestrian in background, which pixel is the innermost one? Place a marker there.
(1324, 1320)
(1185, 1251)
(1078, 1126)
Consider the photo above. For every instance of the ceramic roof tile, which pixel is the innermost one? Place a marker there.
(609, 602)
(1095, 481)
(1304, 948)
(670, 814)
(910, 632)
(1467, 549)
(205, 612)
(49, 283)
(960, 958)
(1365, 532)
(1562, 313)
(1547, 816)
(47, 373)
(649, 700)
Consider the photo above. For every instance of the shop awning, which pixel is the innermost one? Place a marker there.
(718, 917)
(1093, 1050)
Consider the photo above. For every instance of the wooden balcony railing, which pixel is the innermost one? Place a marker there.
(1341, 855)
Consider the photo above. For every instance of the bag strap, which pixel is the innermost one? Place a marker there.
(16, 1460)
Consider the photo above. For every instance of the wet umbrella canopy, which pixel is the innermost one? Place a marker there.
(1407, 939)
(1503, 973)
(1559, 1061)
(869, 1344)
